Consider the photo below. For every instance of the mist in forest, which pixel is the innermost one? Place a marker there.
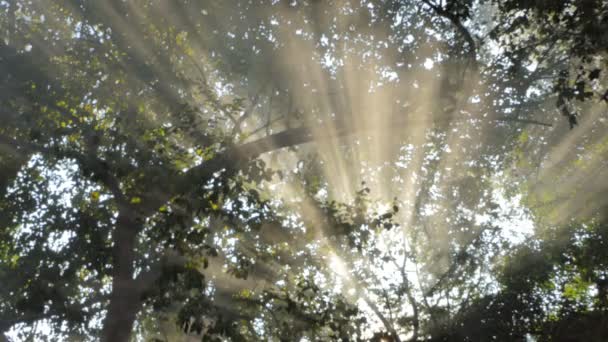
(303, 170)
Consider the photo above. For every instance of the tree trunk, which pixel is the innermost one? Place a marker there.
(126, 297)
(122, 311)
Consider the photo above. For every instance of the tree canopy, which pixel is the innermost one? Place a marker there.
(374, 170)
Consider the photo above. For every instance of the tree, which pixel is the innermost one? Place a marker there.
(143, 182)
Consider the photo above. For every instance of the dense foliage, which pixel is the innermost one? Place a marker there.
(303, 170)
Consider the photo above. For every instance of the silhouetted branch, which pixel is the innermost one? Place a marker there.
(527, 121)
(472, 53)
(238, 122)
(98, 166)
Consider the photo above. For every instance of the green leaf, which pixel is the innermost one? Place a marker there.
(94, 196)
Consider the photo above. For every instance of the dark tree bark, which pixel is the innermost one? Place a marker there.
(126, 296)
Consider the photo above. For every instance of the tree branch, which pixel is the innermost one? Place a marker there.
(472, 53)
(98, 166)
(408, 292)
(238, 122)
